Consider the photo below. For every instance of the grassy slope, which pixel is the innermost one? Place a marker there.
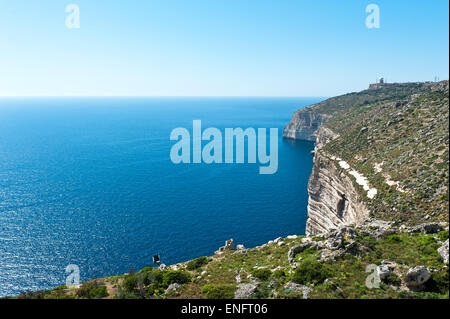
(347, 275)
(410, 137)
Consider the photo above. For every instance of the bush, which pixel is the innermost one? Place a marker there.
(197, 263)
(92, 290)
(154, 277)
(443, 235)
(219, 291)
(279, 274)
(263, 274)
(439, 282)
(393, 279)
(311, 271)
(175, 276)
(394, 239)
(130, 282)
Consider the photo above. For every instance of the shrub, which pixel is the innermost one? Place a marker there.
(175, 276)
(130, 282)
(443, 235)
(263, 274)
(311, 271)
(393, 279)
(439, 282)
(92, 290)
(394, 239)
(154, 277)
(197, 263)
(279, 274)
(219, 291)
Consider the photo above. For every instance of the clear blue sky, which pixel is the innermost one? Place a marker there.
(218, 47)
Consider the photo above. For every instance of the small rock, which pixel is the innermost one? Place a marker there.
(172, 288)
(162, 267)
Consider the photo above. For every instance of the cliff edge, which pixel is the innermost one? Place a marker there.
(381, 152)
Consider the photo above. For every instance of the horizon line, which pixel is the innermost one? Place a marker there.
(161, 96)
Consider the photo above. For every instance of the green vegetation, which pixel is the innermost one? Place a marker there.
(311, 271)
(219, 291)
(197, 263)
(262, 274)
(402, 128)
(92, 290)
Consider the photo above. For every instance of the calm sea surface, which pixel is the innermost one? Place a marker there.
(89, 181)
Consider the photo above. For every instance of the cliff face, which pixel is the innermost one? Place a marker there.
(304, 125)
(333, 200)
(382, 151)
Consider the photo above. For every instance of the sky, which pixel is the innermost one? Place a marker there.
(218, 47)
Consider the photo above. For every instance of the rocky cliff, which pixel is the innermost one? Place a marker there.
(381, 152)
(304, 125)
(333, 200)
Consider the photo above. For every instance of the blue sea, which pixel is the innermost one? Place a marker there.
(89, 181)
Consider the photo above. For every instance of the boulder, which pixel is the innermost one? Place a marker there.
(377, 228)
(443, 251)
(162, 267)
(335, 239)
(245, 291)
(427, 228)
(291, 286)
(172, 288)
(385, 269)
(416, 277)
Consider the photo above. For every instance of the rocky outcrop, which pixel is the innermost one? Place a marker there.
(304, 125)
(333, 199)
